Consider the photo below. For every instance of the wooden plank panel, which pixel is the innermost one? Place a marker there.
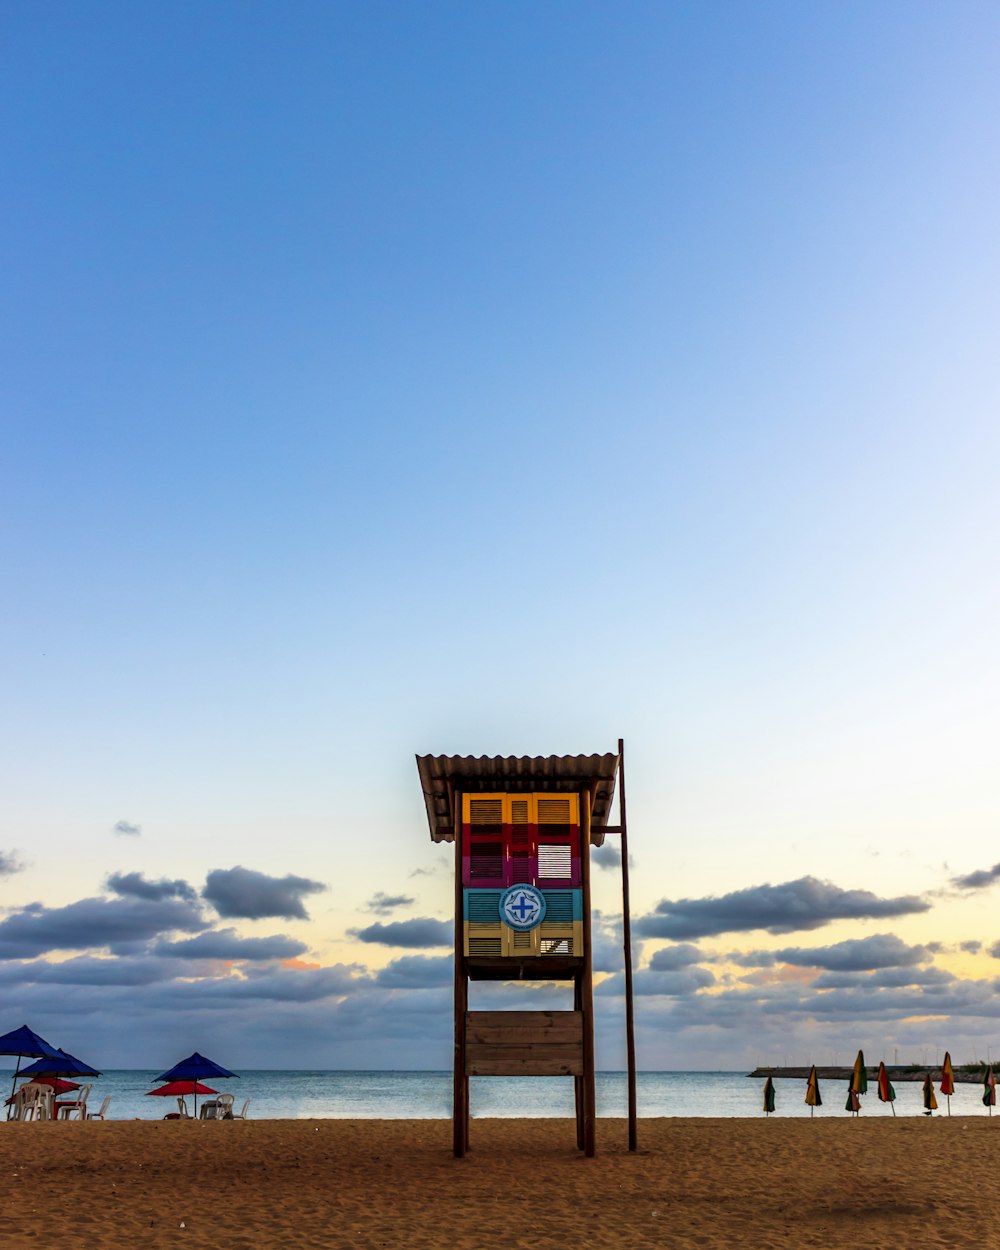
(525, 1067)
(568, 1053)
(508, 1018)
(526, 1037)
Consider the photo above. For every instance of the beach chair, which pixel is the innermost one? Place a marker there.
(242, 1115)
(36, 1102)
(103, 1113)
(79, 1104)
(182, 1108)
(224, 1107)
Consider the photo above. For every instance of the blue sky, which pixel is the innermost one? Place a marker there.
(496, 378)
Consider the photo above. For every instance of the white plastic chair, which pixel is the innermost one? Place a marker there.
(241, 1115)
(36, 1102)
(102, 1114)
(224, 1107)
(79, 1104)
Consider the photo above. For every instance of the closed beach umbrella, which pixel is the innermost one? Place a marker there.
(768, 1096)
(853, 1103)
(26, 1044)
(859, 1077)
(813, 1099)
(989, 1088)
(930, 1102)
(885, 1091)
(196, 1068)
(947, 1082)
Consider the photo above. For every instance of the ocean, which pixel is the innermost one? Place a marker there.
(427, 1095)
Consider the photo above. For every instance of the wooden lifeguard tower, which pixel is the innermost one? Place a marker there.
(522, 828)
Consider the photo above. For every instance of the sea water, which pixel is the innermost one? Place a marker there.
(427, 1095)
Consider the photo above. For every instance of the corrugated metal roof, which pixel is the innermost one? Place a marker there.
(440, 775)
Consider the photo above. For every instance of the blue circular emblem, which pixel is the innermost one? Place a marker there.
(522, 907)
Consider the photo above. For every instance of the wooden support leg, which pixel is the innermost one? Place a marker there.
(587, 990)
(578, 1080)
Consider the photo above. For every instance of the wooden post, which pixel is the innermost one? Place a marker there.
(460, 1106)
(627, 930)
(578, 1080)
(587, 988)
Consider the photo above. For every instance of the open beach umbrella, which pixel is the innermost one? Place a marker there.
(768, 1097)
(26, 1044)
(853, 1103)
(885, 1091)
(62, 1064)
(947, 1082)
(196, 1068)
(813, 1099)
(859, 1077)
(55, 1083)
(181, 1089)
(989, 1088)
(930, 1102)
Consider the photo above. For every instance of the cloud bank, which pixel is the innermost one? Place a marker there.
(807, 903)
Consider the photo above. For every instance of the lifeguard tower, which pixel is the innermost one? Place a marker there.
(522, 829)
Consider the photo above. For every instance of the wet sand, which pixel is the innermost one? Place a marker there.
(282, 1184)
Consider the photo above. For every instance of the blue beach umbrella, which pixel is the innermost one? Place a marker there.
(26, 1044)
(64, 1064)
(196, 1068)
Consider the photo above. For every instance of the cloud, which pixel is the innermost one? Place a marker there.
(421, 931)
(971, 947)
(607, 856)
(10, 863)
(884, 978)
(135, 885)
(242, 893)
(881, 950)
(125, 829)
(607, 942)
(92, 923)
(803, 904)
(672, 958)
(226, 944)
(88, 970)
(383, 904)
(977, 880)
(671, 982)
(417, 972)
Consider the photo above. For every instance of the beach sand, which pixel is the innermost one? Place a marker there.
(752, 1184)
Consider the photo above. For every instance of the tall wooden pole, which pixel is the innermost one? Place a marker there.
(460, 1106)
(627, 928)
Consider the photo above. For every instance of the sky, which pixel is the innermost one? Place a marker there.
(480, 378)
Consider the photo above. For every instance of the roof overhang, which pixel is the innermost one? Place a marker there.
(441, 776)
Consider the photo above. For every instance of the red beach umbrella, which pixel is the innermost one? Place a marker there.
(180, 1089)
(947, 1082)
(57, 1084)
